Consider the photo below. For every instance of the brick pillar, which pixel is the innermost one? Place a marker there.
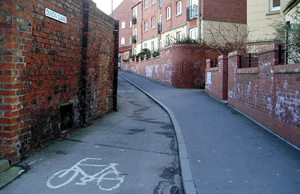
(223, 68)
(234, 61)
(15, 38)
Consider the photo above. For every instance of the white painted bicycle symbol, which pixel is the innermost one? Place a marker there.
(108, 178)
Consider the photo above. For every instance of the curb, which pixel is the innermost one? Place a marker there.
(187, 178)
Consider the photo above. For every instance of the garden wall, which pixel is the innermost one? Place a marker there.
(54, 75)
(180, 66)
(269, 93)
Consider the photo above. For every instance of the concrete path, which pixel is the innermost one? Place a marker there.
(137, 145)
(228, 153)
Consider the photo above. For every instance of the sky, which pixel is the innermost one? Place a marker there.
(105, 5)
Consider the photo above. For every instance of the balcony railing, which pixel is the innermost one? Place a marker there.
(159, 28)
(134, 39)
(134, 20)
(192, 12)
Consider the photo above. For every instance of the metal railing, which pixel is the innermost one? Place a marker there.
(159, 28)
(289, 53)
(134, 20)
(134, 39)
(248, 60)
(192, 12)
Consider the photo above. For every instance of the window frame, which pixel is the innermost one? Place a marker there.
(177, 10)
(146, 4)
(123, 25)
(146, 27)
(123, 40)
(168, 15)
(272, 8)
(153, 25)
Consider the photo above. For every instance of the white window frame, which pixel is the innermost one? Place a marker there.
(145, 45)
(193, 31)
(153, 22)
(146, 4)
(272, 8)
(178, 36)
(152, 46)
(130, 40)
(123, 25)
(130, 24)
(160, 43)
(168, 13)
(179, 8)
(123, 41)
(146, 26)
(153, 2)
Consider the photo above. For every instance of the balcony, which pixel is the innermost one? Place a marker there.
(134, 20)
(192, 12)
(134, 39)
(159, 28)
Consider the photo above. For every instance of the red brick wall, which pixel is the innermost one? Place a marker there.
(55, 76)
(175, 20)
(229, 9)
(217, 78)
(186, 70)
(268, 93)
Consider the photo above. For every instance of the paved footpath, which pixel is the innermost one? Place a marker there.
(139, 138)
(227, 152)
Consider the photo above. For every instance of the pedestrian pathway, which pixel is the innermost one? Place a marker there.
(227, 152)
(132, 151)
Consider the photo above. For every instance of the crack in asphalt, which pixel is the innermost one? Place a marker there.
(120, 147)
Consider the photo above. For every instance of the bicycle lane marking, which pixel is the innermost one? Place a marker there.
(57, 180)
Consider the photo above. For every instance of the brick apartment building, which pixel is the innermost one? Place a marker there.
(159, 23)
(123, 14)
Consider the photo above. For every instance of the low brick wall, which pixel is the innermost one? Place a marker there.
(54, 76)
(180, 66)
(217, 77)
(269, 93)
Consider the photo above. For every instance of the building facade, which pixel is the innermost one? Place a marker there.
(123, 14)
(263, 15)
(159, 23)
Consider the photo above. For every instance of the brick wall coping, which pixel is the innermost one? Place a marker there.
(291, 68)
(268, 48)
(235, 53)
(222, 57)
(212, 69)
(251, 70)
(186, 45)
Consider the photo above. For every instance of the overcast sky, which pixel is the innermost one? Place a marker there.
(105, 5)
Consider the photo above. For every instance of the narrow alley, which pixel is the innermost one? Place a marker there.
(139, 139)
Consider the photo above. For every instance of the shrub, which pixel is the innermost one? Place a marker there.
(155, 53)
(187, 40)
(147, 52)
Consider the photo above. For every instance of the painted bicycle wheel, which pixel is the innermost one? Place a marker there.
(110, 180)
(62, 178)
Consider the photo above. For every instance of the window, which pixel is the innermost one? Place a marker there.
(160, 43)
(275, 5)
(168, 13)
(160, 4)
(123, 25)
(152, 46)
(122, 40)
(146, 4)
(145, 45)
(146, 26)
(179, 8)
(130, 40)
(193, 33)
(168, 40)
(160, 18)
(153, 22)
(153, 2)
(130, 24)
(178, 36)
